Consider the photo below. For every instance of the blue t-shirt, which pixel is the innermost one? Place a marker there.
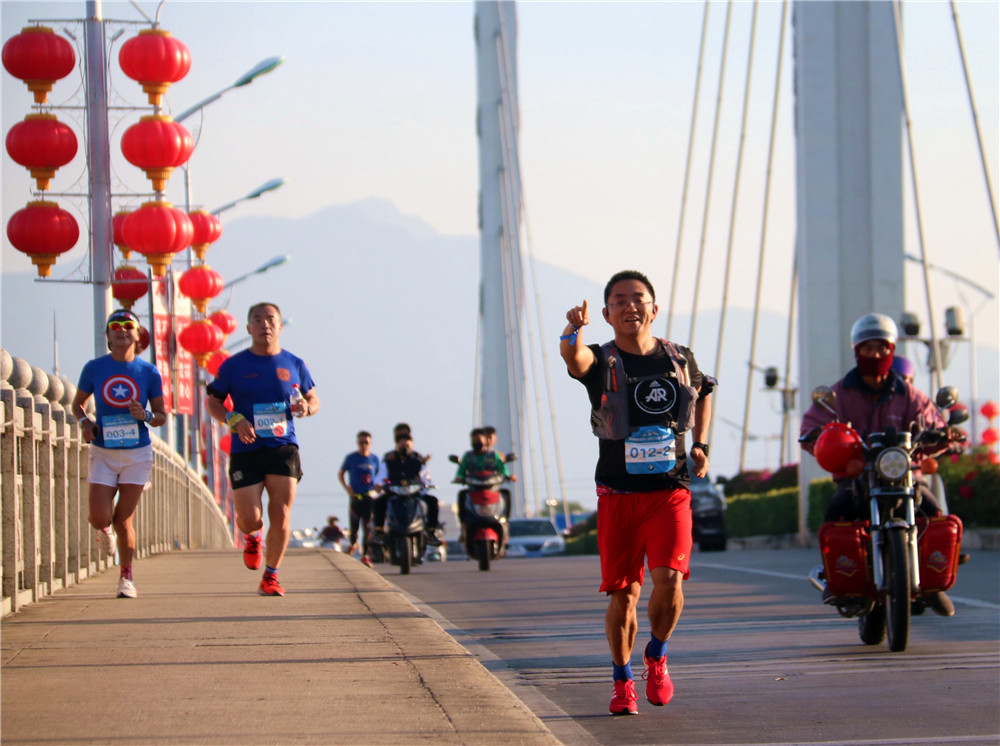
(361, 471)
(260, 386)
(113, 384)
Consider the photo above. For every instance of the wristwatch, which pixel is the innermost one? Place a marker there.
(702, 446)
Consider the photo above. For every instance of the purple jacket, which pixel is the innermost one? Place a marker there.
(901, 405)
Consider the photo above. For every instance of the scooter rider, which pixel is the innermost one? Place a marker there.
(873, 397)
(406, 464)
(481, 459)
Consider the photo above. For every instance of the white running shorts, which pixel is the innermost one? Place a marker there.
(114, 466)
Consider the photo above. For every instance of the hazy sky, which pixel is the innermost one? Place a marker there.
(378, 99)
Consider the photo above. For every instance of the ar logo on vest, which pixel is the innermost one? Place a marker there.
(656, 396)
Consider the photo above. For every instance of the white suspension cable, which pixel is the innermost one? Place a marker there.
(935, 347)
(787, 392)
(711, 170)
(735, 201)
(975, 122)
(508, 77)
(763, 234)
(477, 404)
(687, 172)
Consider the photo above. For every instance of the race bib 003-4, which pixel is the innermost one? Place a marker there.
(120, 431)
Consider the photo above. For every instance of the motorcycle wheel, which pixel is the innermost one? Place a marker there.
(871, 627)
(897, 585)
(404, 550)
(483, 552)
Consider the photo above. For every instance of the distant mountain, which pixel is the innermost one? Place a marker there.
(383, 309)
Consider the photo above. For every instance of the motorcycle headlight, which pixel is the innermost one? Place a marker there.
(892, 464)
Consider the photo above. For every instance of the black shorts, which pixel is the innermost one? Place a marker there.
(251, 467)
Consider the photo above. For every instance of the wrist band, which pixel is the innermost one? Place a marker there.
(233, 419)
(147, 416)
(79, 420)
(571, 338)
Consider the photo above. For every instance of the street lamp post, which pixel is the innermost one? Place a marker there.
(261, 68)
(987, 297)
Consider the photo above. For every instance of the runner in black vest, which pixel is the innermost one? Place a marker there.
(644, 393)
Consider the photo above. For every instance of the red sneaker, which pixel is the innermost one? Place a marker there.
(269, 586)
(623, 700)
(366, 561)
(659, 687)
(251, 551)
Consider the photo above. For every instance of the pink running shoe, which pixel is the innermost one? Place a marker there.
(623, 701)
(659, 687)
(251, 551)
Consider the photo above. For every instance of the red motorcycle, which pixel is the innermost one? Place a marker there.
(883, 569)
(484, 516)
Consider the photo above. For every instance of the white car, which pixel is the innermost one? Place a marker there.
(533, 537)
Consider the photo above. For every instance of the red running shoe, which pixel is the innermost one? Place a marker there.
(623, 700)
(366, 561)
(269, 586)
(659, 687)
(251, 551)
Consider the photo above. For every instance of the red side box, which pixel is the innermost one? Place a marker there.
(938, 543)
(845, 547)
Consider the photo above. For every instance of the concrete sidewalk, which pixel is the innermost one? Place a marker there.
(200, 658)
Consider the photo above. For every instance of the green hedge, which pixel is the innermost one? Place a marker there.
(772, 512)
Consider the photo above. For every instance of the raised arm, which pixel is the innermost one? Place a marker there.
(578, 357)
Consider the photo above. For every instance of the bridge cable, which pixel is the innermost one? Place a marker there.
(507, 74)
(687, 172)
(711, 171)
(975, 122)
(735, 200)
(775, 99)
(918, 214)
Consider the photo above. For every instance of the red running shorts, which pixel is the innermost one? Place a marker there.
(632, 526)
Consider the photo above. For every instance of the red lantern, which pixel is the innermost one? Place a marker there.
(207, 229)
(157, 144)
(201, 338)
(225, 321)
(117, 223)
(144, 339)
(39, 57)
(990, 436)
(41, 143)
(158, 230)
(215, 360)
(201, 284)
(990, 410)
(43, 230)
(128, 285)
(155, 59)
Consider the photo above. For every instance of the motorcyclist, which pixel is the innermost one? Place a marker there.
(873, 397)
(481, 459)
(404, 463)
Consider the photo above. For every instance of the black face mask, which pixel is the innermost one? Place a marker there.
(478, 447)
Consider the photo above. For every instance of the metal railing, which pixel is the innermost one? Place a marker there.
(46, 541)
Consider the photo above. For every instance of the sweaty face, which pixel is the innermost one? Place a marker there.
(630, 307)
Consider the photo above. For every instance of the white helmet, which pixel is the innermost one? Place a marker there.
(874, 326)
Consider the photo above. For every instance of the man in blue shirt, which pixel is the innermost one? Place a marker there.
(269, 386)
(361, 466)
